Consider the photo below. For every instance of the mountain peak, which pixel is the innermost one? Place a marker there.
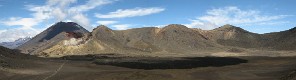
(66, 24)
(229, 27)
(101, 27)
(51, 36)
(175, 27)
(63, 27)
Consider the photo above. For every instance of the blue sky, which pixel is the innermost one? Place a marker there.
(21, 18)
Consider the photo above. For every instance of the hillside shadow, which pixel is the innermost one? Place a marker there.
(180, 63)
(88, 57)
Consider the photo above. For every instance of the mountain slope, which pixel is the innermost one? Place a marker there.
(172, 39)
(229, 35)
(179, 38)
(51, 36)
(13, 59)
(284, 40)
(16, 43)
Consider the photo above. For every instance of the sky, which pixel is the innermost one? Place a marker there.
(27, 18)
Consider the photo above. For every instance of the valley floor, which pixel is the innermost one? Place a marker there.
(254, 68)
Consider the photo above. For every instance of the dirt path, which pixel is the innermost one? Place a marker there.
(56, 71)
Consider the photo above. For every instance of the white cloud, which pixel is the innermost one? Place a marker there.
(232, 15)
(1, 31)
(57, 9)
(14, 34)
(60, 3)
(158, 26)
(273, 23)
(202, 25)
(90, 5)
(121, 26)
(106, 22)
(59, 14)
(122, 13)
(26, 23)
(60, 10)
(38, 16)
(82, 20)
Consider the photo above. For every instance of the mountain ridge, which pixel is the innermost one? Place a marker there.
(16, 43)
(175, 38)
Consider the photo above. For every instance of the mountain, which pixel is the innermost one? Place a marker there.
(176, 39)
(284, 40)
(71, 39)
(51, 36)
(229, 35)
(16, 43)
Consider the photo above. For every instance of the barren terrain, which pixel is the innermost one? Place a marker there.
(174, 52)
(110, 67)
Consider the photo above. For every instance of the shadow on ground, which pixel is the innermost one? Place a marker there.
(149, 63)
(169, 63)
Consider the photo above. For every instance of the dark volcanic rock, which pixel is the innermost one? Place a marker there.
(51, 36)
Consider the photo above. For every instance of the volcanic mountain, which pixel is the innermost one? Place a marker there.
(172, 39)
(70, 39)
(51, 36)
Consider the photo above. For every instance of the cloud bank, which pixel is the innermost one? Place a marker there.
(123, 13)
(235, 16)
(57, 10)
(121, 26)
(126, 13)
(106, 22)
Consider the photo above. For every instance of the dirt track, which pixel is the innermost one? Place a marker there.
(257, 68)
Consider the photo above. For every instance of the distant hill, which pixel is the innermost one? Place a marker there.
(69, 39)
(16, 43)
